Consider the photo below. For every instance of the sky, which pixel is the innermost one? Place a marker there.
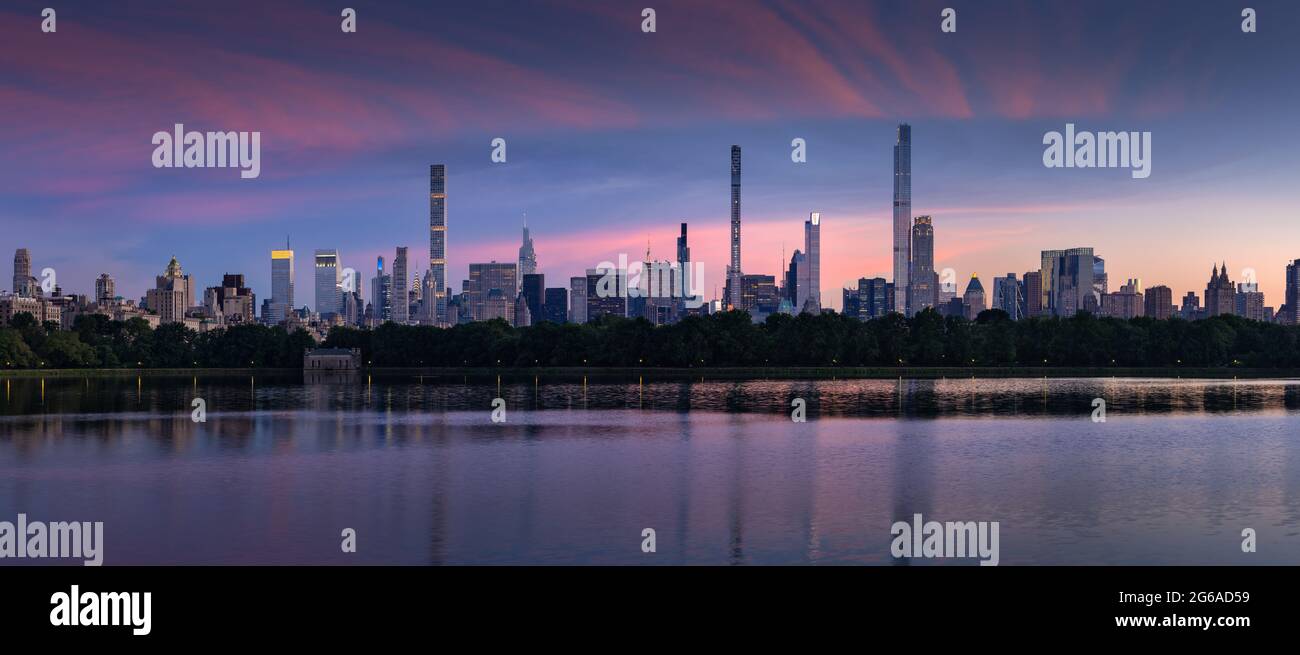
(615, 136)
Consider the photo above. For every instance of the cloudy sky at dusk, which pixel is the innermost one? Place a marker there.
(615, 136)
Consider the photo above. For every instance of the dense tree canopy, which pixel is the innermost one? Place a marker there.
(95, 341)
(719, 340)
(831, 339)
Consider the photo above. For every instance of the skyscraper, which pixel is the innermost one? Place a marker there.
(1249, 301)
(104, 289)
(921, 276)
(230, 303)
(1220, 295)
(684, 266)
(484, 280)
(973, 299)
(733, 270)
(401, 296)
(683, 249)
(172, 294)
(327, 282)
(1292, 293)
(1126, 303)
(281, 285)
(527, 257)
(797, 281)
(812, 244)
(438, 240)
(1046, 272)
(1033, 294)
(1191, 309)
(24, 283)
(1008, 296)
(1159, 302)
(902, 215)
(606, 292)
(428, 301)
(1068, 282)
(533, 290)
(555, 308)
(1099, 285)
(759, 296)
(873, 298)
(578, 299)
(381, 294)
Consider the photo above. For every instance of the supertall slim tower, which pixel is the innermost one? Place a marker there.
(401, 296)
(733, 271)
(902, 215)
(812, 245)
(438, 240)
(1292, 293)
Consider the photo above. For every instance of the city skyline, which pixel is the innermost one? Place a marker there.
(1067, 281)
(977, 161)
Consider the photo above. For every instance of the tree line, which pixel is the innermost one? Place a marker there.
(726, 339)
(830, 339)
(96, 341)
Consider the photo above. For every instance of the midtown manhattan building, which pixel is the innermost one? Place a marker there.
(438, 240)
(733, 269)
(328, 297)
(281, 286)
(902, 216)
(923, 281)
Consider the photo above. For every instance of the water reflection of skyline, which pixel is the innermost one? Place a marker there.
(128, 396)
(715, 467)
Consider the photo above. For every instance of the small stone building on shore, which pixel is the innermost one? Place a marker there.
(332, 359)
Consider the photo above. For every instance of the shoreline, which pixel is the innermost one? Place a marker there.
(737, 373)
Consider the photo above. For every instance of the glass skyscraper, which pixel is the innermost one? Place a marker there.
(527, 256)
(733, 270)
(902, 215)
(1293, 293)
(401, 296)
(438, 240)
(812, 244)
(281, 285)
(1068, 277)
(921, 275)
(328, 297)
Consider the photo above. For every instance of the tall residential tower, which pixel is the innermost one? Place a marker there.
(733, 270)
(902, 215)
(401, 298)
(24, 283)
(812, 245)
(438, 240)
(923, 283)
